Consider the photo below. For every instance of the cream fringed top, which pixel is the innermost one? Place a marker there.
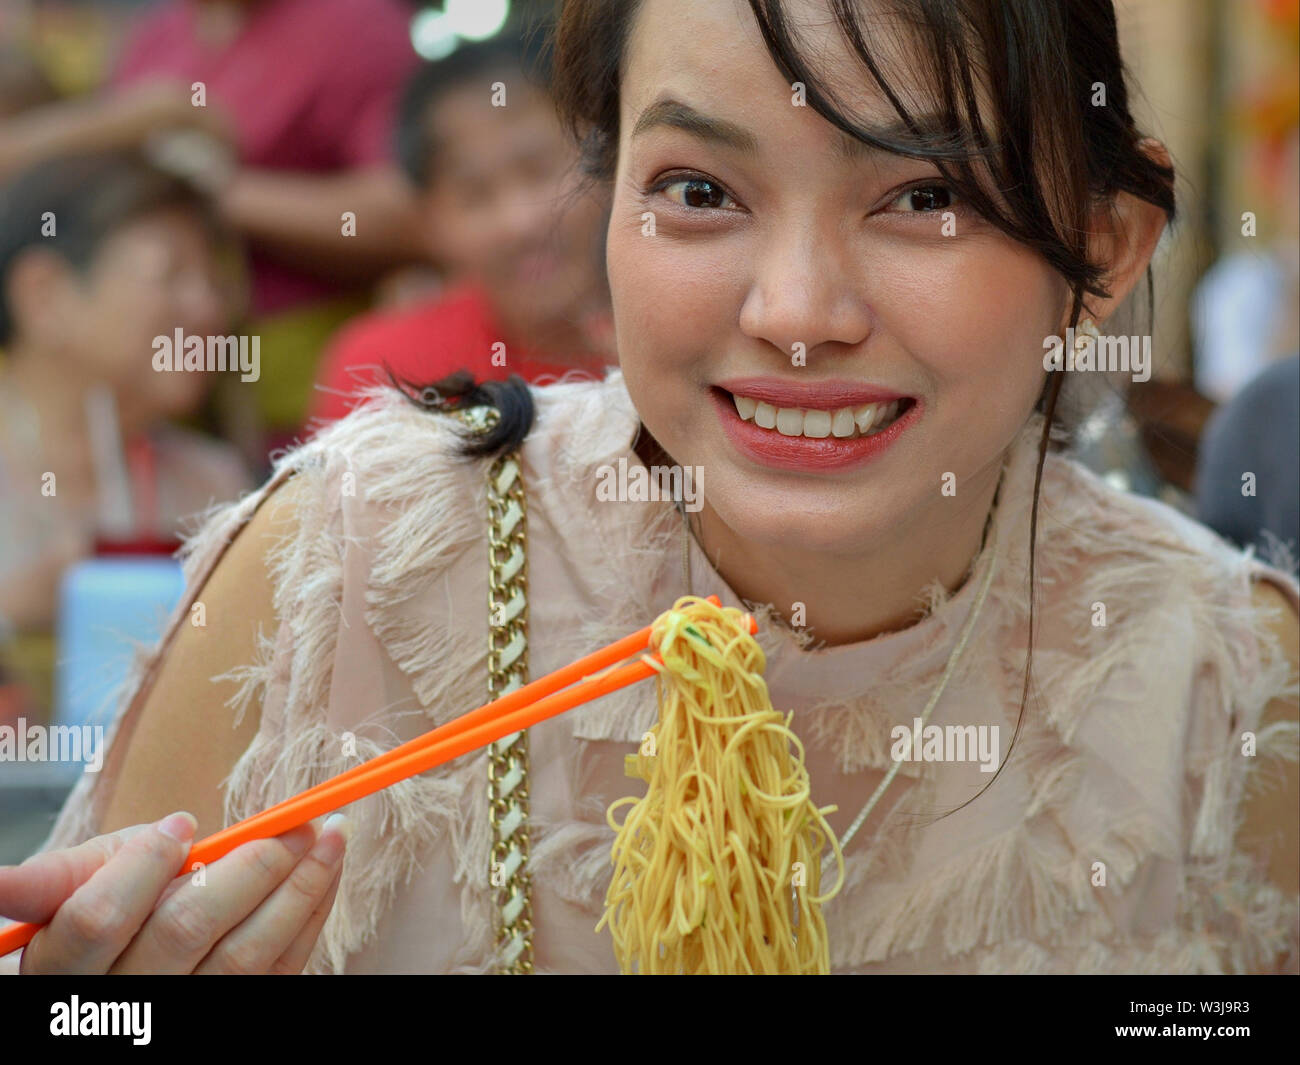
(1105, 845)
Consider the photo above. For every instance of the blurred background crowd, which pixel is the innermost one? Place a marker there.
(332, 178)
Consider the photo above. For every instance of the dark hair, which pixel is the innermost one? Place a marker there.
(89, 197)
(517, 50)
(1058, 156)
(513, 53)
(511, 401)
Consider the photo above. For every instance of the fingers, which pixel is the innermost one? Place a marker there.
(185, 926)
(295, 959)
(100, 917)
(283, 930)
(114, 904)
(34, 890)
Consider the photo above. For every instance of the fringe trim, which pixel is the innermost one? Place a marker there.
(392, 828)
(83, 810)
(1030, 881)
(1018, 901)
(1026, 883)
(369, 458)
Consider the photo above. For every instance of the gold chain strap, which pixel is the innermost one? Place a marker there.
(508, 670)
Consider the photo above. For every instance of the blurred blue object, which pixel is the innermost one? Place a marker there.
(107, 607)
(1247, 489)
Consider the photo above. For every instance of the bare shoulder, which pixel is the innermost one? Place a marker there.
(185, 739)
(1270, 827)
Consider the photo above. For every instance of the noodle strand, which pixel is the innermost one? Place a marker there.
(717, 869)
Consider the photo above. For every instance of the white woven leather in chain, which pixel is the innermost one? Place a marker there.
(508, 757)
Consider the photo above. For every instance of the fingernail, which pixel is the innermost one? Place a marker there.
(340, 822)
(179, 826)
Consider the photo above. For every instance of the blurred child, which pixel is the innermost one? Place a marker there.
(99, 256)
(504, 216)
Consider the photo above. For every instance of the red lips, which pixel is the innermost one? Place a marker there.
(802, 454)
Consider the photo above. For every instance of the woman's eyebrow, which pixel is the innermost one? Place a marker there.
(674, 114)
(671, 113)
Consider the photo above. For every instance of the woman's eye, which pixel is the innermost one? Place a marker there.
(696, 193)
(923, 199)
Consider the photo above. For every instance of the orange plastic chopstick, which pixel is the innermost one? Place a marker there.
(441, 745)
(412, 753)
(552, 682)
(510, 713)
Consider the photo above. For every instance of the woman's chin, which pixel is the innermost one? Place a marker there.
(814, 525)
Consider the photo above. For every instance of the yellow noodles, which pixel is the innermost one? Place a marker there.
(717, 869)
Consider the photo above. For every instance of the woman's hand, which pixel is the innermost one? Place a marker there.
(114, 905)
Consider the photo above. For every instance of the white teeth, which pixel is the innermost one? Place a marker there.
(816, 424)
(789, 421)
(842, 422)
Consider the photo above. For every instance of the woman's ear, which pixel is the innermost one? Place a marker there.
(37, 289)
(1124, 236)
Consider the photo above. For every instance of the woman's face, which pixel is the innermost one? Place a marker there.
(799, 276)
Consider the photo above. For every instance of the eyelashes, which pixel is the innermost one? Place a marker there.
(699, 181)
(930, 196)
(955, 202)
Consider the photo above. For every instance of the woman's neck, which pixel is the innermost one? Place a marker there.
(850, 598)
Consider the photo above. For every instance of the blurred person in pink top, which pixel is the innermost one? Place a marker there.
(310, 88)
(295, 100)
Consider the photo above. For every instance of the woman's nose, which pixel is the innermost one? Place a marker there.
(806, 290)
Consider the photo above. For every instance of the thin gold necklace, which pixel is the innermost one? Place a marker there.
(967, 629)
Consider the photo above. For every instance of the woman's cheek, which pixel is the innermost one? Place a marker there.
(670, 307)
(977, 327)
(632, 297)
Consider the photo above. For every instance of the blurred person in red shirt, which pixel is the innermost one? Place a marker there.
(505, 214)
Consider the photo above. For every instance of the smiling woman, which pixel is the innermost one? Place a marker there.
(839, 235)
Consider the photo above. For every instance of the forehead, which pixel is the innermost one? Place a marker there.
(468, 108)
(711, 54)
(174, 223)
(467, 129)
